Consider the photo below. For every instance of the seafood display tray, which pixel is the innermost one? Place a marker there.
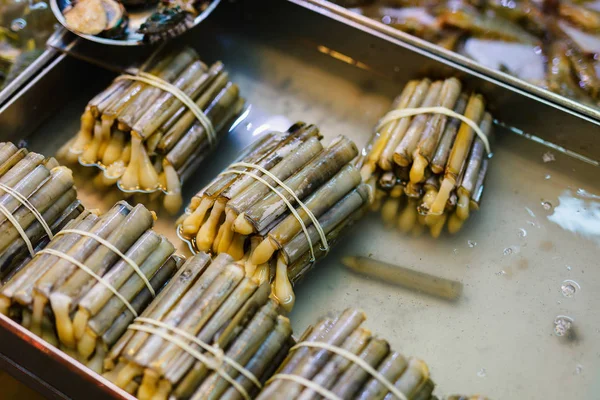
(535, 228)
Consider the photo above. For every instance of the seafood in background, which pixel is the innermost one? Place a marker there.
(523, 61)
(486, 30)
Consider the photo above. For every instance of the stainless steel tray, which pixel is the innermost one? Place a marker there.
(30, 73)
(293, 62)
(337, 12)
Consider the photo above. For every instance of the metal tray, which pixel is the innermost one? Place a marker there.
(335, 11)
(33, 70)
(498, 338)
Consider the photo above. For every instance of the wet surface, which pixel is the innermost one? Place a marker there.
(499, 337)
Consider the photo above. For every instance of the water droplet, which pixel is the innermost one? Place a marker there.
(578, 369)
(522, 233)
(546, 205)
(18, 24)
(569, 288)
(548, 157)
(530, 212)
(547, 177)
(501, 273)
(508, 251)
(471, 243)
(386, 19)
(249, 126)
(187, 273)
(562, 325)
(455, 251)
(568, 268)
(558, 302)
(482, 373)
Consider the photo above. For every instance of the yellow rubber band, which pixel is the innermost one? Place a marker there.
(409, 112)
(217, 352)
(155, 81)
(23, 200)
(19, 229)
(87, 270)
(312, 217)
(308, 383)
(111, 247)
(356, 360)
(210, 363)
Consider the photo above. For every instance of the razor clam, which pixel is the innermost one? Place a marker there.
(234, 315)
(304, 182)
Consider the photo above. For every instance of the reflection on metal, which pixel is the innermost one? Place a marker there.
(548, 144)
(342, 57)
(49, 370)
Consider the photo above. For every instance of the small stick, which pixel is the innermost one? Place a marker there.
(408, 278)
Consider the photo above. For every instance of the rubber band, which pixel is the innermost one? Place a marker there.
(409, 112)
(309, 384)
(217, 352)
(23, 200)
(286, 201)
(309, 213)
(208, 362)
(87, 270)
(155, 81)
(111, 247)
(19, 229)
(356, 360)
